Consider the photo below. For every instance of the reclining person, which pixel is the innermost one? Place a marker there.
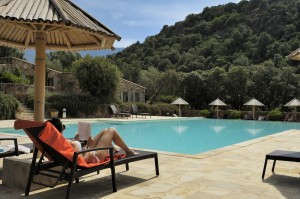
(103, 139)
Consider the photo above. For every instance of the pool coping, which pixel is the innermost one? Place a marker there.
(202, 155)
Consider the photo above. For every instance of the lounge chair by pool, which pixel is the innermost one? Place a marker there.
(291, 156)
(135, 111)
(14, 149)
(117, 113)
(59, 152)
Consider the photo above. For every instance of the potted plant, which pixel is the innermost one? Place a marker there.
(54, 113)
(19, 113)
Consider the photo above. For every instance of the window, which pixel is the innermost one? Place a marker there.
(70, 87)
(125, 96)
(50, 82)
(137, 97)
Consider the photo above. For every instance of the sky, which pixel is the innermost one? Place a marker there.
(134, 20)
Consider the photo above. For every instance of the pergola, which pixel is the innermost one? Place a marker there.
(54, 25)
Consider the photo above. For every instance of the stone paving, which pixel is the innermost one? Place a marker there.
(226, 173)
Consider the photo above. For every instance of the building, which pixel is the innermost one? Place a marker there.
(61, 82)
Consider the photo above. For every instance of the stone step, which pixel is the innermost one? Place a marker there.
(28, 113)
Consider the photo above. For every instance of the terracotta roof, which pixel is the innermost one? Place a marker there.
(67, 26)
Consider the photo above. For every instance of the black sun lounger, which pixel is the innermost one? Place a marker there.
(135, 111)
(291, 156)
(117, 113)
(16, 151)
(72, 164)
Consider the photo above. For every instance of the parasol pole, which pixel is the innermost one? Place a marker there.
(179, 110)
(217, 112)
(253, 112)
(40, 76)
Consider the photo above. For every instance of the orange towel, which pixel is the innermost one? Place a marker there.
(52, 137)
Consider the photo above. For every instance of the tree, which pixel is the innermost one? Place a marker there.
(98, 76)
(216, 81)
(194, 89)
(264, 77)
(65, 58)
(10, 52)
(164, 64)
(151, 79)
(236, 85)
(171, 82)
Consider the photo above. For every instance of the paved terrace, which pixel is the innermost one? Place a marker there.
(227, 173)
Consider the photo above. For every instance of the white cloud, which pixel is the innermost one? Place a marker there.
(133, 13)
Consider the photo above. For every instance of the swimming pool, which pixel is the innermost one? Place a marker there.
(187, 136)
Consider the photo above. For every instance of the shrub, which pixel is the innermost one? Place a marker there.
(167, 109)
(76, 105)
(235, 114)
(275, 115)
(204, 113)
(9, 104)
(8, 77)
(166, 98)
(148, 108)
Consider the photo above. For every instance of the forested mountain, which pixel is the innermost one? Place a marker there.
(230, 51)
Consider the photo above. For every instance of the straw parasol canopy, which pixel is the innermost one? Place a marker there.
(293, 103)
(54, 25)
(217, 103)
(295, 55)
(179, 102)
(253, 102)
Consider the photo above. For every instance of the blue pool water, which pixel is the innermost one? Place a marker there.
(187, 136)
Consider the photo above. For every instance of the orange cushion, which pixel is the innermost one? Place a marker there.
(52, 137)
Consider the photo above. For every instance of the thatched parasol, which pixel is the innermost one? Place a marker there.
(253, 102)
(50, 24)
(217, 103)
(179, 102)
(295, 55)
(293, 103)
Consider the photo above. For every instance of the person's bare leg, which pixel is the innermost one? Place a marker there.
(120, 142)
(108, 136)
(93, 142)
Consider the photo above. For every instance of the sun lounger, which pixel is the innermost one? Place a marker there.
(14, 149)
(291, 156)
(60, 152)
(260, 118)
(117, 113)
(135, 111)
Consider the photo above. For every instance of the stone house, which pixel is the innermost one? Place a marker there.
(62, 82)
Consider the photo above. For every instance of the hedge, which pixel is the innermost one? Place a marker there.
(8, 105)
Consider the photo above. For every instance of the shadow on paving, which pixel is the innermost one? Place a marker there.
(287, 185)
(96, 188)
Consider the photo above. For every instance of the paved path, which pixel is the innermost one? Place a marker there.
(227, 173)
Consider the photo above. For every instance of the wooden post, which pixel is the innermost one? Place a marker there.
(40, 76)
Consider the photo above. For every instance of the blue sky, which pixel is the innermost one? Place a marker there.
(134, 20)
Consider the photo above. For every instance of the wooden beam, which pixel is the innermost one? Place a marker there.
(65, 36)
(96, 40)
(12, 44)
(20, 25)
(27, 40)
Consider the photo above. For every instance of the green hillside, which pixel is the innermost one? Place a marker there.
(248, 39)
